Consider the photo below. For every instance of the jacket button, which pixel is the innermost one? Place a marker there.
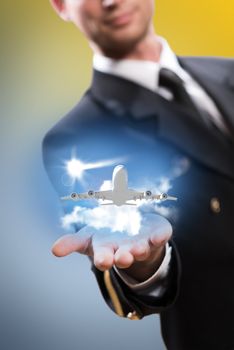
(215, 205)
(133, 316)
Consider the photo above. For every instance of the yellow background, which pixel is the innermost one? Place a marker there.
(49, 60)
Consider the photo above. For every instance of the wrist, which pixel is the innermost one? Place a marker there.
(142, 270)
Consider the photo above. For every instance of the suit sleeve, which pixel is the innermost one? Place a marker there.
(135, 304)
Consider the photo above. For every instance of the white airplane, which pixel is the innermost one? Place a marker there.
(120, 193)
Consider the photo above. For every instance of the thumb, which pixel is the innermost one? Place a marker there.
(71, 243)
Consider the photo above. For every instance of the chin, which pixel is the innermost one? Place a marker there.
(121, 42)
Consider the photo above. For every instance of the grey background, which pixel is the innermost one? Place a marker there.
(45, 303)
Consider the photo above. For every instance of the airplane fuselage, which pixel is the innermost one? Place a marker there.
(120, 185)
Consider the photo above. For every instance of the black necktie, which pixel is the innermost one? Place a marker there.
(171, 81)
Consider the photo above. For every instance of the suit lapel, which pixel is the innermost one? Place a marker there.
(174, 125)
(220, 87)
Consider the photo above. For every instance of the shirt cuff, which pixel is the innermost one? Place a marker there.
(160, 273)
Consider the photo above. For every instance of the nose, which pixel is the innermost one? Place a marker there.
(110, 3)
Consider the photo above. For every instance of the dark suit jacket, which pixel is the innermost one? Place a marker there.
(196, 299)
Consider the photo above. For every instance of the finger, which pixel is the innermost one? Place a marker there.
(103, 257)
(123, 257)
(156, 229)
(140, 250)
(161, 234)
(71, 243)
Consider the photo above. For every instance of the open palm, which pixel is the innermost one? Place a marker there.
(114, 248)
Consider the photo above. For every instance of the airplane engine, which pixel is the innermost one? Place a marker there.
(74, 196)
(91, 193)
(164, 196)
(148, 194)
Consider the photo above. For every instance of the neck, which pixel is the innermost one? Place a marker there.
(148, 49)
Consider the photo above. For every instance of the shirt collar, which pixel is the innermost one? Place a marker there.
(144, 73)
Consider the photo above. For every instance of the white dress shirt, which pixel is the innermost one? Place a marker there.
(146, 74)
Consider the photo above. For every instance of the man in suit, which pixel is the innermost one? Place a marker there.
(167, 108)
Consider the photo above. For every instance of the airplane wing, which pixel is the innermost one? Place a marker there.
(134, 195)
(76, 196)
(161, 197)
(104, 195)
(108, 195)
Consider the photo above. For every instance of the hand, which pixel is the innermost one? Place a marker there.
(139, 255)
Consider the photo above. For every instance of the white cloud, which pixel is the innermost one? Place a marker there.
(107, 185)
(122, 219)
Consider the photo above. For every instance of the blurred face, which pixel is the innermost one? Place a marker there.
(113, 25)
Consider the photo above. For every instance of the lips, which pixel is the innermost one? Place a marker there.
(121, 19)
